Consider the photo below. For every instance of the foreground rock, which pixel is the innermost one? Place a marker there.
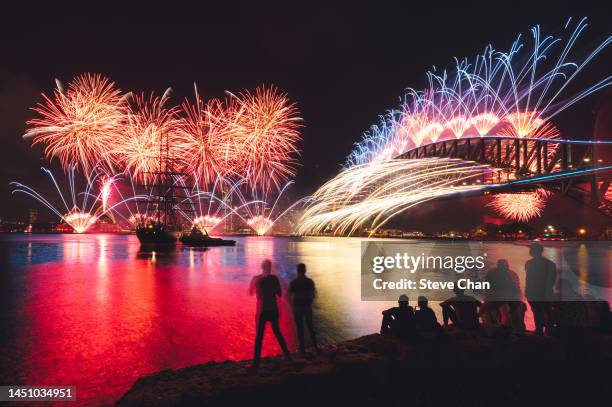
(460, 370)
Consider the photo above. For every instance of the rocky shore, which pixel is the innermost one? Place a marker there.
(461, 369)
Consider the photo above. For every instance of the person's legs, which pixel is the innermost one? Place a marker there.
(547, 310)
(516, 317)
(310, 324)
(279, 335)
(539, 316)
(298, 317)
(261, 326)
(522, 309)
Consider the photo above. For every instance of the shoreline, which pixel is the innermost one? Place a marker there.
(460, 367)
(391, 238)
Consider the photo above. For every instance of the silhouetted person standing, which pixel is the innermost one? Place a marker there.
(541, 275)
(461, 309)
(503, 301)
(399, 321)
(267, 287)
(302, 290)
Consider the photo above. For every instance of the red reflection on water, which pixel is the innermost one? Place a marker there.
(100, 333)
(93, 312)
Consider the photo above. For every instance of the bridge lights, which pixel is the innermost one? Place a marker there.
(582, 231)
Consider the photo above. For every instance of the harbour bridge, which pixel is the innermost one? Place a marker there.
(581, 170)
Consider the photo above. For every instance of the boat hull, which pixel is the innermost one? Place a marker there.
(206, 241)
(155, 236)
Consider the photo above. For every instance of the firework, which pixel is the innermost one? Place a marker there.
(262, 218)
(484, 122)
(81, 210)
(268, 132)
(205, 210)
(79, 221)
(79, 217)
(458, 125)
(105, 191)
(201, 132)
(149, 138)
(378, 191)
(206, 223)
(260, 224)
(520, 207)
(514, 93)
(211, 146)
(140, 219)
(80, 124)
(248, 139)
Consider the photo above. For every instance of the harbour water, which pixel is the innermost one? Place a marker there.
(95, 312)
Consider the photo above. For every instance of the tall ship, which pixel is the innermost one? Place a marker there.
(168, 195)
(164, 229)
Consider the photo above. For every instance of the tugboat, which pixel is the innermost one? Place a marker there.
(198, 238)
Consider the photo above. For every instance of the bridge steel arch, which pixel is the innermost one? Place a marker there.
(581, 170)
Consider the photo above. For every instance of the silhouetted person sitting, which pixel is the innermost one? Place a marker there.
(302, 290)
(569, 314)
(399, 321)
(598, 314)
(541, 274)
(267, 287)
(426, 321)
(461, 310)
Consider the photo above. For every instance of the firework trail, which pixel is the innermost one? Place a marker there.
(205, 210)
(81, 210)
(266, 217)
(376, 192)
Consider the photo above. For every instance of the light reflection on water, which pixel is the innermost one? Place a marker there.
(93, 311)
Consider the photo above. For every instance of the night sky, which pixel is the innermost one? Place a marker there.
(343, 64)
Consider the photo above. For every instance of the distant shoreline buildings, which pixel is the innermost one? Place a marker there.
(484, 231)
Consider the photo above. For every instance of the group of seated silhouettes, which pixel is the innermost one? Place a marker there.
(557, 308)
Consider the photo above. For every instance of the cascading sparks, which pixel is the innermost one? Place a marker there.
(374, 193)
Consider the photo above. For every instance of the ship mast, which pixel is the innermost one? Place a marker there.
(166, 200)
